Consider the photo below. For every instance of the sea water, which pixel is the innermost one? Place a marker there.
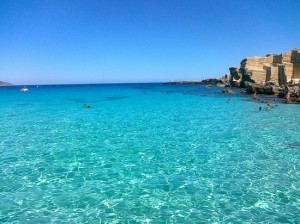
(146, 153)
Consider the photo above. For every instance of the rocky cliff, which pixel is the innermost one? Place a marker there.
(273, 68)
(5, 84)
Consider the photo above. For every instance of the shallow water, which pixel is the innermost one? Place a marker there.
(146, 153)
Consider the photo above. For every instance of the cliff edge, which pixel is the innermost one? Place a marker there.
(278, 69)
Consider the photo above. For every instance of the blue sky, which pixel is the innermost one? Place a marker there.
(103, 41)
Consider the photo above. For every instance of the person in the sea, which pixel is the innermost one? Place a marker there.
(254, 95)
(287, 97)
(229, 100)
(259, 108)
(268, 106)
(87, 106)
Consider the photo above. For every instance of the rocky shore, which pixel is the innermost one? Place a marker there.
(273, 74)
(183, 82)
(276, 75)
(291, 92)
(202, 82)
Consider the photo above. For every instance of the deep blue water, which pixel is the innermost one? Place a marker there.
(146, 153)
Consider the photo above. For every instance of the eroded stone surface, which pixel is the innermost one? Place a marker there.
(276, 68)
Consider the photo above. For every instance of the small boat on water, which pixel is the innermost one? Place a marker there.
(24, 89)
(208, 86)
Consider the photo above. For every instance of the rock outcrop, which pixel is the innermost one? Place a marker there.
(204, 81)
(267, 89)
(183, 82)
(278, 69)
(5, 84)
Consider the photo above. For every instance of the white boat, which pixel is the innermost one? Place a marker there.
(24, 89)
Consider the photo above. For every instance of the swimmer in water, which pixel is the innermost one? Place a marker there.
(254, 95)
(287, 97)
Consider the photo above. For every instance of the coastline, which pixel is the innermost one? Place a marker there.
(264, 93)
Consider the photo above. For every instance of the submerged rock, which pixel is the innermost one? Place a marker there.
(228, 91)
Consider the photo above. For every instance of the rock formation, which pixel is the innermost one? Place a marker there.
(5, 84)
(235, 76)
(273, 68)
(204, 81)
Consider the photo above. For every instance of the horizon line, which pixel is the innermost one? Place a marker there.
(104, 83)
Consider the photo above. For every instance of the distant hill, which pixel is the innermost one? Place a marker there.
(5, 84)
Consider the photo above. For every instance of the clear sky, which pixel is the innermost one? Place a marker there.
(101, 41)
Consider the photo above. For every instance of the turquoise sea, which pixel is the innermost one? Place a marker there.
(146, 153)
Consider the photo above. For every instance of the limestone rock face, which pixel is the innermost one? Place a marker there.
(275, 68)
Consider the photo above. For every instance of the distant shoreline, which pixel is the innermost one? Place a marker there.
(284, 94)
(5, 84)
(75, 84)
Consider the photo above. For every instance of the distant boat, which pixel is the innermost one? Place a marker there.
(208, 86)
(24, 89)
